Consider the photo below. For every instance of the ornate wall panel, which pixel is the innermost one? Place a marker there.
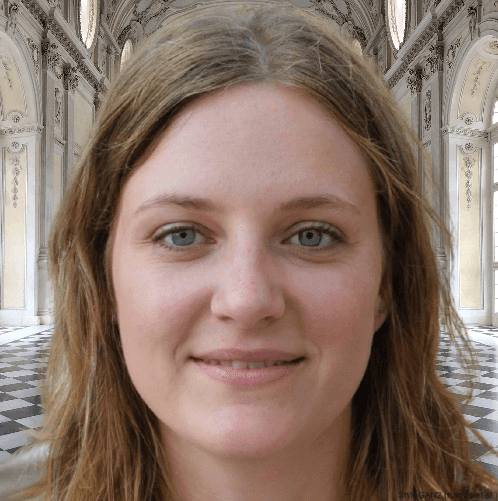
(57, 181)
(83, 118)
(469, 234)
(13, 219)
(11, 90)
(428, 176)
(474, 90)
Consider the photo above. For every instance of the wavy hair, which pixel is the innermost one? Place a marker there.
(104, 442)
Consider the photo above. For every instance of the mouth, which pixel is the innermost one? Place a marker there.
(240, 364)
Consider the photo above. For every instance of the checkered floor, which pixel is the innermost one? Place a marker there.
(21, 349)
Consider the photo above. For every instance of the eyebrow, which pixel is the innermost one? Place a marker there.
(204, 204)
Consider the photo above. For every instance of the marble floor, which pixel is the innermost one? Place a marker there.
(21, 349)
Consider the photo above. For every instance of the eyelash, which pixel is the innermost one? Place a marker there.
(323, 228)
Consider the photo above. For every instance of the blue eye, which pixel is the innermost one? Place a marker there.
(179, 237)
(318, 237)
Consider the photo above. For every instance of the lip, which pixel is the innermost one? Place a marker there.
(248, 378)
(248, 356)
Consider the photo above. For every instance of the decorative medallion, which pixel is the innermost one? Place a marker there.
(491, 47)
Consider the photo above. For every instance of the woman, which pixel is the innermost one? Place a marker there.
(248, 304)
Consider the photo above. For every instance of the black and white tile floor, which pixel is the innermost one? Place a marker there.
(22, 349)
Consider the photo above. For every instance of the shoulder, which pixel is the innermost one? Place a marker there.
(22, 470)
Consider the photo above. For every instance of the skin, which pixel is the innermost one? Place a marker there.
(248, 282)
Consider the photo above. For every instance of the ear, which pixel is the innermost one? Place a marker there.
(380, 314)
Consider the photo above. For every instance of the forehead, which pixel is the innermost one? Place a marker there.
(252, 144)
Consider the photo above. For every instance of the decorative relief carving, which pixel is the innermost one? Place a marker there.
(469, 120)
(52, 58)
(477, 74)
(464, 132)
(12, 18)
(56, 3)
(491, 47)
(57, 108)
(469, 146)
(15, 171)
(14, 116)
(453, 49)
(15, 145)
(6, 62)
(436, 58)
(19, 130)
(427, 111)
(102, 56)
(414, 80)
(71, 78)
(34, 52)
(469, 163)
(472, 13)
(424, 39)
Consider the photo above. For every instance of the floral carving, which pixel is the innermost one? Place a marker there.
(58, 108)
(480, 67)
(52, 57)
(71, 78)
(16, 171)
(414, 80)
(452, 50)
(427, 111)
(34, 51)
(469, 163)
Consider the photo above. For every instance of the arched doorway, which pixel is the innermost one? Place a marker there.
(20, 136)
(472, 179)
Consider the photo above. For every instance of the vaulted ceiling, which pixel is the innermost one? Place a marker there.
(360, 17)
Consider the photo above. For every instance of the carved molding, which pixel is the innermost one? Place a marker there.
(461, 131)
(52, 25)
(52, 58)
(71, 78)
(414, 80)
(20, 130)
(424, 39)
(59, 141)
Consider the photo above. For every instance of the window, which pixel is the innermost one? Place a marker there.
(396, 17)
(127, 52)
(495, 114)
(88, 21)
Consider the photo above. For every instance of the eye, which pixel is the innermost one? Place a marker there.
(319, 236)
(178, 237)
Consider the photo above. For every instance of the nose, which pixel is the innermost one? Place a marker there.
(248, 294)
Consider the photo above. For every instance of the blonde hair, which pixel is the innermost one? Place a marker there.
(104, 441)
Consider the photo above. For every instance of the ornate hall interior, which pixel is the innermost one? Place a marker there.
(439, 58)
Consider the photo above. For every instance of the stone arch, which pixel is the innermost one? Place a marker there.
(25, 77)
(20, 134)
(468, 105)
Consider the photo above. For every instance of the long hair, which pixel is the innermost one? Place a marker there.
(104, 441)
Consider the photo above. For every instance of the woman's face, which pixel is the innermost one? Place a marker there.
(251, 227)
